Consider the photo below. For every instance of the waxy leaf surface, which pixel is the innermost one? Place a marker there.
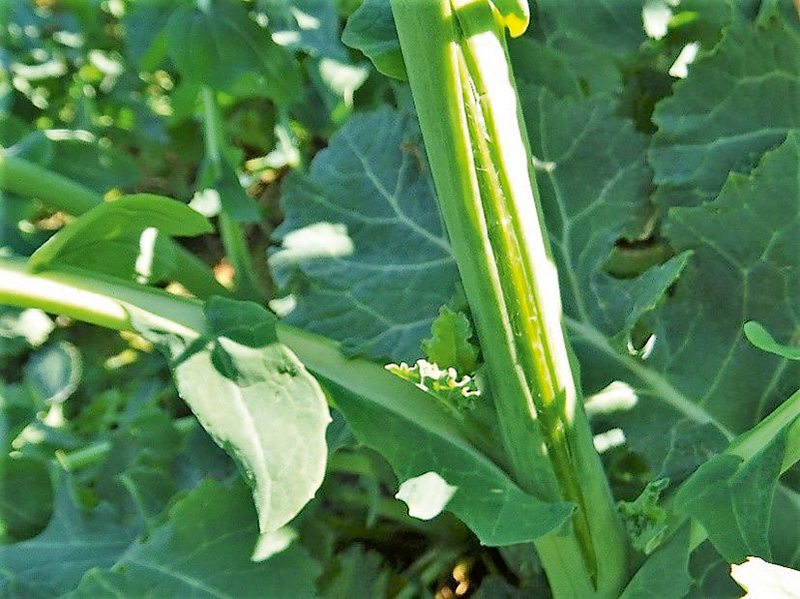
(376, 263)
(256, 400)
(205, 549)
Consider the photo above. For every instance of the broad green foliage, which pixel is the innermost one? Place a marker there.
(732, 499)
(286, 459)
(665, 573)
(717, 121)
(216, 42)
(485, 499)
(360, 228)
(204, 551)
(76, 538)
(256, 396)
(596, 38)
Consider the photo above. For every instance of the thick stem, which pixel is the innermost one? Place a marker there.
(473, 130)
(26, 179)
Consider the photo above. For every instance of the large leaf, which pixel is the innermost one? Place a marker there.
(256, 400)
(221, 46)
(737, 102)
(732, 499)
(745, 267)
(76, 538)
(363, 245)
(738, 261)
(595, 37)
(205, 548)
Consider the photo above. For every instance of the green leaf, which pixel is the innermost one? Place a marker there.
(223, 47)
(145, 39)
(204, 548)
(717, 122)
(588, 210)
(93, 165)
(760, 337)
(112, 237)
(75, 540)
(737, 274)
(256, 400)
(311, 26)
(595, 37)
(665, 573)
(538, 65)
(363, 248)
(732, 499)
(26, 498)
(449, 345)
(489, 503)
(417, 437)
(371, 30)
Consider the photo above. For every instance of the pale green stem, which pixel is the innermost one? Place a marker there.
(472, 125)
(108, 302)
(231, 232)
(29, 180)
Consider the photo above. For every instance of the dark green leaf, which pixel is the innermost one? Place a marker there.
(359, 574)
(717, 120)
(363, 247)
(93, 165)
(75, 540)
(26, 498)
(311, 26)
(221, 46)
(371, 30)
(665, 574)
(732, 499)
(737, 274)
(417, 437)
(595, 37)
(205, 548)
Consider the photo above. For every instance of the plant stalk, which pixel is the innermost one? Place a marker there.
(231, 232)
(471, 122)
(21, 177)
